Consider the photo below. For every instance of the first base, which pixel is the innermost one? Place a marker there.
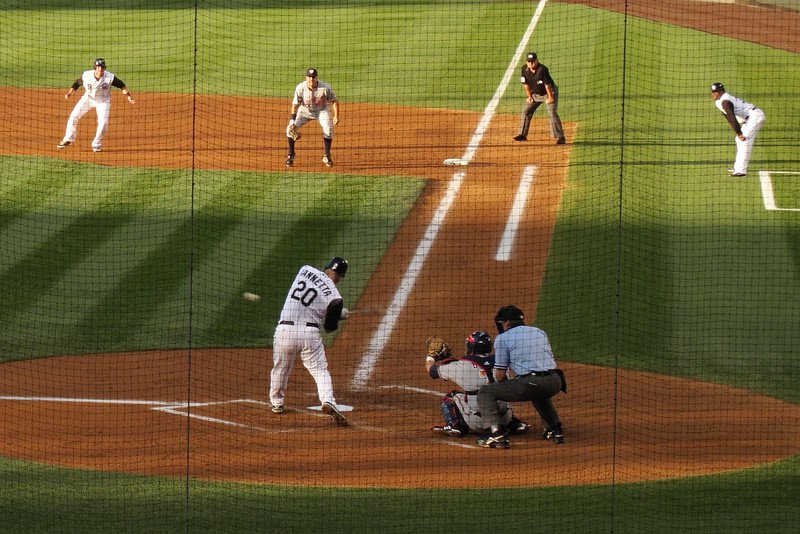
(454, 161)
(341, 407)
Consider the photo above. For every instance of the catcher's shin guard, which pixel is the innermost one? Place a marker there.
(452, 415)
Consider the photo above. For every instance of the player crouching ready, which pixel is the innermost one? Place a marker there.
(312, 100)
(470, 372)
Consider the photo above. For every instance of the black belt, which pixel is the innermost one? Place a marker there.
(291, 323)
(471, 392)
(537, 373)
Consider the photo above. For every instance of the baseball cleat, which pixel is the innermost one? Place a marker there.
(495, 440)
(277, 408)
(737, 174)
(520, 138)
(518, 427)
(63, 144)
(326, 159)
(448, 430)
(97, 149)
(290, 160)
(561, 141)
(556, 436)
(330, 409)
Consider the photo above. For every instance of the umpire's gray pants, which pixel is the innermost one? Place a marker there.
(529, 108)
(537, 389)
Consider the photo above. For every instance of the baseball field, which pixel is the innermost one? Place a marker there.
(134, 376)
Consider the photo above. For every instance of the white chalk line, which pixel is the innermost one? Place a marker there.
(515, 216)
(384, 330)
(767, 192)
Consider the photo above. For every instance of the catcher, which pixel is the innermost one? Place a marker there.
(470, 372)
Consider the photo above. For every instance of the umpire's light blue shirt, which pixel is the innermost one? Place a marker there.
(523, 349)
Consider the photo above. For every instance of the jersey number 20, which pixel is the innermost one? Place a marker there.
(304, 294)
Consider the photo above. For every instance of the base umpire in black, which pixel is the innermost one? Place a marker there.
(540, 87)
(526, 352)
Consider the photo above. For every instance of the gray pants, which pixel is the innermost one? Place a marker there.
(528, 109)
(537, 389)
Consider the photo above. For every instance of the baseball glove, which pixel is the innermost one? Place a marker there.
(292, 132)
(438, 349)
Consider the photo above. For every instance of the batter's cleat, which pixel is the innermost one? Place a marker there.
(517, 427)
(738, 174)
(561, 141)
(330, 409)
(556, 436)
(63, 144)
(290, 160)
(277, 408)
(520, 138)
(494, 440)
(97, 149)
(326, 159)
(448, 430)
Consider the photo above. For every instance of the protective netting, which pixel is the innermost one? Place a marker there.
(145, 266)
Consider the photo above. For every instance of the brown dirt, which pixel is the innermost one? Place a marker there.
(649, 427)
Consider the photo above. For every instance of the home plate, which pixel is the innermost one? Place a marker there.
(341, 407)
(455, 161)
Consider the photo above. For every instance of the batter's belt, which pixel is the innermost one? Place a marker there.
(291, 323)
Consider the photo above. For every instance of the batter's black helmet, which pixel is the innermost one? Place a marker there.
(717, 87)
(337, 265)
(100, 62)
(478, 342)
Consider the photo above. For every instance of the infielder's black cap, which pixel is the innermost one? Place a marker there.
(100, 62)
(531, 56)
(717, 87)
(312, 73)
(337, 265)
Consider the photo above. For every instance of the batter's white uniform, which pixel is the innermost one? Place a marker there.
(750, 119)
(97, 96)
(312, 297)
(314, 105)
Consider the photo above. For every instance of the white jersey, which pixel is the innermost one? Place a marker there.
(741, 108)
(98, 90)
(314, 100)
(309, 297)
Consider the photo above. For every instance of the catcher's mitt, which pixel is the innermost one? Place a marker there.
(438, 349)
(292, 132)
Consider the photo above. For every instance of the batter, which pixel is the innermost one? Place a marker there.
(313, 300)
(97, 85)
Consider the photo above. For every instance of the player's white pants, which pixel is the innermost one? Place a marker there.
(83, 106)
(289, 342)
(468, 406)
(323, 117)
(750, 129)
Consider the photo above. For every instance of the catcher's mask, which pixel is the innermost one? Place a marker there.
(512, 314)
(337, 265)
(478, 342)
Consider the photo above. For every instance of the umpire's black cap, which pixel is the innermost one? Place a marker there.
(717, 87)
(337, 265)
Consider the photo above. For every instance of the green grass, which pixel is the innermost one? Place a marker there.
(659, 261)
(98, 259)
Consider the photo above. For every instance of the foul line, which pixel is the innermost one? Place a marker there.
(514, 217)
(768, 194)
(384, 330)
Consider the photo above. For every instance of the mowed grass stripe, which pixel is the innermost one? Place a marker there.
(152, 287)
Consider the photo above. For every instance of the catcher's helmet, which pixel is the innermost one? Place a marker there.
(337, 265)
(100, 62)
(478, 342)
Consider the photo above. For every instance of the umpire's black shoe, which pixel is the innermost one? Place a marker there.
(556, 435)
(517, 426)
(520, 138)
(561, 141)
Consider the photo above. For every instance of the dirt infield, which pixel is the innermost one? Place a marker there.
(128, 412)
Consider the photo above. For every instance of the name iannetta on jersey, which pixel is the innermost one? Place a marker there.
(317, 281)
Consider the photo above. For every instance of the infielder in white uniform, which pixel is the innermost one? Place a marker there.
(313, 100)
(745, 119)
(97, 84)
(313, 299)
